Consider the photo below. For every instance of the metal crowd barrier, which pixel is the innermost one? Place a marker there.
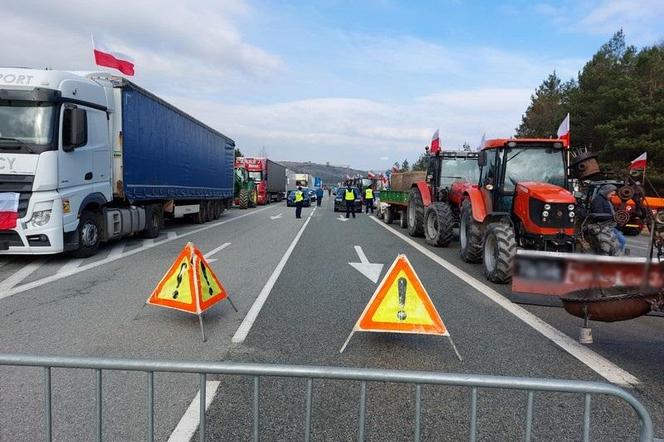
(418, 378)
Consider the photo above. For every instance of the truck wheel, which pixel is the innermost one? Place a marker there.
(438, 222)
(253, 199)
(499, 251)
(89, 235)
(244, 198)
(388, 215)
(605, 243)
(201, 216)
(218, 209)
(403, 219)
(209, 210)
(415, 213)
(153, 219)
(470, 235)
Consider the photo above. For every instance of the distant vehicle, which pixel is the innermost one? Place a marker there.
(270, 178)
(340, 203)
(312, 194)
(290, 200)
(96, 157)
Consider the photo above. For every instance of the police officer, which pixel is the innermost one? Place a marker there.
(369, 199)
(299, 200)
(349, 197)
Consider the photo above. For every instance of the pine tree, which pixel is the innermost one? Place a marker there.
(405, 166)
(238, 153)
(545, 111)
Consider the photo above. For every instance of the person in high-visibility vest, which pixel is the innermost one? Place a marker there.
(299, 201)
(369, 199)
(349, 197)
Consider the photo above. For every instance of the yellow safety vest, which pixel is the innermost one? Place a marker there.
(350, 195)
(298, 196)
(368, 193)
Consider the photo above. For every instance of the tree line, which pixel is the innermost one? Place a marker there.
(616, 107)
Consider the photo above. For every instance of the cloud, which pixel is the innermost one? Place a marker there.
(171, 41)
(641, 20)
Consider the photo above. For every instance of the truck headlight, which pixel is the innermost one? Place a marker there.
(40, 218)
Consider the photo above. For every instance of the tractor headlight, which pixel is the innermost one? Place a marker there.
(571, 214)
(545, 213)
(547, 207)
(570, 207)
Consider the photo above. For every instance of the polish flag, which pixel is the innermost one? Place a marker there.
(640, 162)
(563, 131)
(435, 143)
(115, 60)
(371, 175)
(8, 210)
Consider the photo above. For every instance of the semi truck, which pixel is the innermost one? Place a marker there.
(270, 178)
(304, 179)
(94, 157)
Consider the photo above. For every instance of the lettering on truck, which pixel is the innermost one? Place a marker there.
(7, 163)
(23, 80)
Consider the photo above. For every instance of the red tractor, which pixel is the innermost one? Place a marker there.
(521, 201)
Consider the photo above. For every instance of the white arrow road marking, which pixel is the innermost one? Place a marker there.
(276, 216)
(341, 218)
(213, 251)
(20, 275)
(370, 270)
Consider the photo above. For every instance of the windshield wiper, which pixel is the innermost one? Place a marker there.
(515, 155)
(19, 143)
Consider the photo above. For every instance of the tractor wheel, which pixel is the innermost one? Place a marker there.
(415, 213)
(438, 222)
(470, 235)
(605, 243)
(388, 215)
(499, 251)
(244, 198)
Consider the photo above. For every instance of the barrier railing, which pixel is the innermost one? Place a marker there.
(417, 378)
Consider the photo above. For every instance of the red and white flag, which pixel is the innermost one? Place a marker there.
(435, 143)
(371, 175)
(640, 162)
(563, 131)
(105, 57)
(8, 210)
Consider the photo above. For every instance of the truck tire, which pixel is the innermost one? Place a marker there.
(388, 215)
(153, 221)
(403, 219)
(201, 216)
(438, 225)
(89, 234)
(218, 209)
(499, 251)
(605, 243)
(470, 235)
(244, 198)
(415, 213)
(253, 198)
(209, 210)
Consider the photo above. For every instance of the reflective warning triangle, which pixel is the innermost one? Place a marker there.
(401, 304)
(189, 285)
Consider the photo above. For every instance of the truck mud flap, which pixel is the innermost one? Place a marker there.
(542, 278)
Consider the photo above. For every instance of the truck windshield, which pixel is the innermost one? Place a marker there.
(26, 123)
(544, 165)
(459, 168)
(256, 176)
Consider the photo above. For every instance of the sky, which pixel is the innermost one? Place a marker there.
(358, 83)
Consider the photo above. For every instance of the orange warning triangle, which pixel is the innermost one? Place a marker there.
(189, 284)
(401, 304)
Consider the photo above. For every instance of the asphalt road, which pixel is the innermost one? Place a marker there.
(96, 307)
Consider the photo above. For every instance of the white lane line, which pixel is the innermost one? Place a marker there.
(218, 249)
(312, 213)
(605, 368)
(148, 242)
(108, 259)
(117, 250)
(188, 425)
(72, 264)
(8, 283)
(172, 235)
(243, 330)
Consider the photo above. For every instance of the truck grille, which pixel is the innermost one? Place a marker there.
(12, 238)
(21, 184)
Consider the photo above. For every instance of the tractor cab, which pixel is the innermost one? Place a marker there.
(449, 171)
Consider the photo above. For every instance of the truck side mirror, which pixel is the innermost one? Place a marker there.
(481, 159)
(74, 129)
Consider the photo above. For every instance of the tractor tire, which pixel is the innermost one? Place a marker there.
(388, 215)
(415, 213)
(244, 198)
(499, 251)
(89, 234)
(470, 235)
(605, 243)
(438, 222)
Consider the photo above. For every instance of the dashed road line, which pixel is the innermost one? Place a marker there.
(602, 366)
(188, 424)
